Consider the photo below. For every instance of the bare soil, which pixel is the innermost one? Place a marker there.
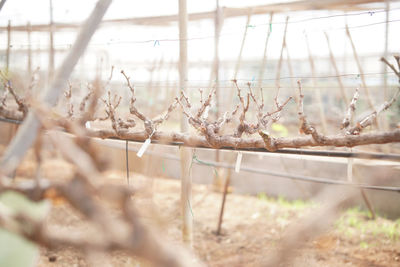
(252, 226)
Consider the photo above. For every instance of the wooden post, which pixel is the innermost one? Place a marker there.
(291, 73)
(153, 87)
(317, 90)
(239, 59)
(29, 67)
(279, 67)
(217, 32)
(360, 69)
(214, 75)
(345, 44)
(385, 53)
(337, 73)
(350, 170)
(384, 66)
(227, 178)
(170, 90)
(183, 19)
(218, 21)
(185, 153)
(221, 211)
(264, 60)
(51, 45)
(8, 45)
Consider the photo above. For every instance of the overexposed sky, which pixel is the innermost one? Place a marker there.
(134, 47)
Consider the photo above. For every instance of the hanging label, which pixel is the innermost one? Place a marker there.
(350, 167)
(238, 162)
(143, 148)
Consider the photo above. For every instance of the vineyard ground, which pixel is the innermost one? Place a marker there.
(252, 225)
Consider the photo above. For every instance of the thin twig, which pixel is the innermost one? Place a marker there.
(362, 76)
(350, 110)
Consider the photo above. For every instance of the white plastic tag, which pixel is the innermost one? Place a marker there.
(350, 168)
(143, 148)
(87, 125)
(238, 162)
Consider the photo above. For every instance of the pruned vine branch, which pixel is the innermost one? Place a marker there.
(210, 129)
(150, 125)
(350, 111)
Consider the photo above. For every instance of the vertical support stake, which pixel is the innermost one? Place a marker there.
(127, 161)
(29, 67)
(51, 45)
(186, 195)
(186, 154)
(8, 46)
(221, 212)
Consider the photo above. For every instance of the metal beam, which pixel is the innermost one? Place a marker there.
(229, 12)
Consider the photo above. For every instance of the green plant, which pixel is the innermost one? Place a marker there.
(296, 204)
(13, 245)
(355, 221)
(364, 245)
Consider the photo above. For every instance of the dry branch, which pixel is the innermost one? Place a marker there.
(263, 118)
(210, 130)
(68, 97)
(150, 125)
(20, 101)
(210, 136)
(10, 113)
(124, 233)
(34, 81)
(85, 99)
(305, 127)
(111, 106)
(4, 98)
(350, 110)
(200, 123)
(89, 114)
(370, 118)
(397, 58)
(28, 131)
(229, 141)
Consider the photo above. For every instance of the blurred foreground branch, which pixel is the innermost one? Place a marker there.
(125, 233)
(310, 227)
